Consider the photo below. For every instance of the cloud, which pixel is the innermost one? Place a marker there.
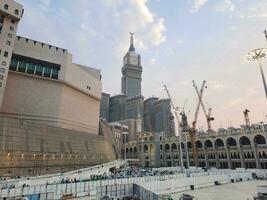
(218, 86)
(197, 4)
(111, 2)
(137, 17)
(256, 10)
(143, 11)
(170, 51)
(45, 3)
(157, 32)
(224, 6)
(180, 41)
(152, 61)
(232, 103)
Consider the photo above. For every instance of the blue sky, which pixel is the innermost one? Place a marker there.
(179, 40)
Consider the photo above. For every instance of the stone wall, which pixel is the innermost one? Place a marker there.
(31, 148)
(51, 100)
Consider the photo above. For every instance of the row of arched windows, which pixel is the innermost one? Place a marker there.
(231, 142)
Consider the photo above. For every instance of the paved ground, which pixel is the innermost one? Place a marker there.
(231, 191)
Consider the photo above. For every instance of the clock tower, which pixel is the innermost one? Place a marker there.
(131, 72)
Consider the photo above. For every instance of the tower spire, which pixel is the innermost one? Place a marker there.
(132, 42)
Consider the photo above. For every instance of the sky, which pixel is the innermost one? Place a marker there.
(178, 40)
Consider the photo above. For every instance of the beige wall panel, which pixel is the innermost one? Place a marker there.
(29, 95)
(81, 108)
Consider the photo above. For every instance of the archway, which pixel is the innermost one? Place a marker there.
(231, 142)
(219, 143)
(173, 146)
(259, 139)
(167, 147)
(189, 145)
(244, 140)
(208, 144)
(145, 148)
(199, 144)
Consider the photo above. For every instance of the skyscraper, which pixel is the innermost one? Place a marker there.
(132, 72)
(154, 115)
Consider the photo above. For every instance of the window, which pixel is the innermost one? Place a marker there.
(11, 28)
(39, 70)
(13, 64)
(1, 22)
(6, 54)
(8, 43)
(6, 6)
(22, 66)
(47, 71)
(4, 63)
(33, 66)
(2, 70)
(30, 68)
(9, 35)
(16, 12)
(55, 73)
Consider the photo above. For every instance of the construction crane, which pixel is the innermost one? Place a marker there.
(246, 117)
(178, 126)
(185, 129)
(200, 101)
(209, 119)
(184, 123)
(192, 132)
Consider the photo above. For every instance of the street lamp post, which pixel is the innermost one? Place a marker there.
(124, 133)
(257, 55)
(186, 148)
(143, 152)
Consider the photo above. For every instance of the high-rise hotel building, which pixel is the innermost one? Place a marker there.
(49, 106)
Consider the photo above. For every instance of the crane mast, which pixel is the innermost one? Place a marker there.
(192, 132)
(207, 115)
(209, 119)
(178, 126)
(246, 116)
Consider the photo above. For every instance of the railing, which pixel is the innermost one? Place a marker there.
(158, 184)
(44, 179)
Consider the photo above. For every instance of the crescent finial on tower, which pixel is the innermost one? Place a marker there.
(132, 42)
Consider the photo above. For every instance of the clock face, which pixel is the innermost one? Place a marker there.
(133, 60)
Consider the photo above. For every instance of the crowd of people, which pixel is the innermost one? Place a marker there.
(131, 172)
(120, 173)
(8, 186)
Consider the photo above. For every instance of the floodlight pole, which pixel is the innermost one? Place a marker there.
(263, 79)
(257, 55)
